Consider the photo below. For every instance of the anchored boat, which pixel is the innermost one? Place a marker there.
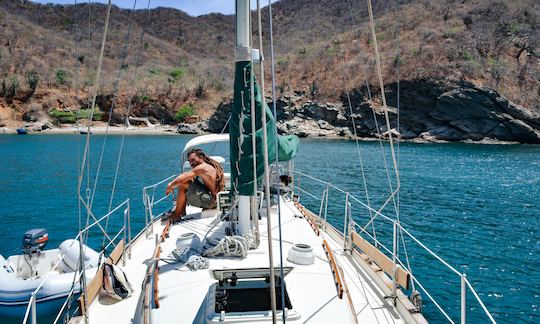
(260, 255)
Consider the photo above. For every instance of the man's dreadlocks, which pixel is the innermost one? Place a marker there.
(220, 179)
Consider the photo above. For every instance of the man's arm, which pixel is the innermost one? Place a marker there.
(184, 178)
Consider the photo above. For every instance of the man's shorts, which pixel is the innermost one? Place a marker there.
(199, 196)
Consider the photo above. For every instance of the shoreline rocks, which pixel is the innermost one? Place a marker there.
(430, 111)
(450, 111)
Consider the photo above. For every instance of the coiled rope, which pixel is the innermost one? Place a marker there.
(229, 246)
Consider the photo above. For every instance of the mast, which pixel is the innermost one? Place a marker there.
(246, 166)
(251, 132)
(243, 54)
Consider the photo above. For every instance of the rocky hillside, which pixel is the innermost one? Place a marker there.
(468, 69)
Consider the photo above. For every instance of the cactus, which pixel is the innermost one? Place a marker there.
(199, 90)
(13, 87)
(9, 91)
(281, 90)
(3, 88)
(32, 78)
(61, 76)
(313, 90)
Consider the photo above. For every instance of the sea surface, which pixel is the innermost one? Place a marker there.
(476, 206)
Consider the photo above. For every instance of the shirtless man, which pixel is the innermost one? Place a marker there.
(199, 186)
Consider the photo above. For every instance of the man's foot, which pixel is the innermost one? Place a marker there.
(175, 218)
(171, 216)
(167, 215)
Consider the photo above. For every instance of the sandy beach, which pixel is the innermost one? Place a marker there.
(101, 129)
(171, 130)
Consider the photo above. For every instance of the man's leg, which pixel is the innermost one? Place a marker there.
(180, 209)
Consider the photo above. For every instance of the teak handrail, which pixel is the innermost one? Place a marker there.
(372, 253)
(153, 269)
(381, 260)
(307, 215)
(156, 276)
(348, 293)
(334, 267)
(165, 233)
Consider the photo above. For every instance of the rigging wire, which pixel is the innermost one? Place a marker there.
(372, 220)
(83, 165)
(77, 71)
(79, 207)
(381, 146)
(377, 127)
(115, 96)
(267, 176)
(366, 191)
(128, 110)
(394, 159)
(396, 199)
(276, 147)
(87, 147)
(371, 216)
(398, 74)
(113, 103)
(383, 96)
(84, 237)
(86, 64)
(253, 211)
(398, 95)
(88, 89)
(97, 79)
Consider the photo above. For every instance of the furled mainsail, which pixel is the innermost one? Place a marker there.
(241, 132)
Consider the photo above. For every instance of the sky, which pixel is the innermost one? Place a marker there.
(192, 7)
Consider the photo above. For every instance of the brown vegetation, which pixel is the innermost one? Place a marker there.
(320, 51)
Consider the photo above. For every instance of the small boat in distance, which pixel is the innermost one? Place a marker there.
(83, 132)
(22, 131)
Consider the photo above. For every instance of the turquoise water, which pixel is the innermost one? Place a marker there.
(475, 205)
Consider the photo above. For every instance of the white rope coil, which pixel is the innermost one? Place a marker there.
(230, 246)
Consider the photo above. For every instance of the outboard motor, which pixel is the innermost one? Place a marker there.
(35, 240)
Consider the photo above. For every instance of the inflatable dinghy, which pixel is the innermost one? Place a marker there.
(21, 275)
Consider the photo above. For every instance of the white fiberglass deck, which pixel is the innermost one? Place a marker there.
(311, 288)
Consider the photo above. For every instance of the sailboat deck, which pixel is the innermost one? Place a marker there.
(311, 288)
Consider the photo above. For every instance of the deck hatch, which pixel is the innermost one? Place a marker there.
(247, 273)
(248, 295)
(247, 290)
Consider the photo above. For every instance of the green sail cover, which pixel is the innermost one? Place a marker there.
(240, 132)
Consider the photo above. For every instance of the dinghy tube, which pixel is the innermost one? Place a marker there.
(21, 275)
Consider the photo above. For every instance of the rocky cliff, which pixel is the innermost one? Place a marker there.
(430, 110)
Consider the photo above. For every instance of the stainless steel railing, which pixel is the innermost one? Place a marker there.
(150, 201)
(124, 231)
(398, 232)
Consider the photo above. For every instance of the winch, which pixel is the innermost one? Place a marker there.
(35, 240)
